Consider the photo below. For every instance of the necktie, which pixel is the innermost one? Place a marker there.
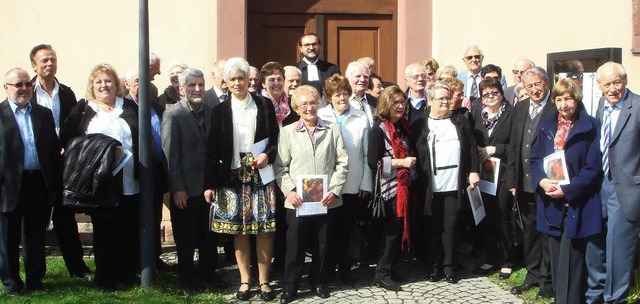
(474, 88)
(606, 139)
(534, 110)
(360, 105)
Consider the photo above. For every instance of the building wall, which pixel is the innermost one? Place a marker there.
(508, 30)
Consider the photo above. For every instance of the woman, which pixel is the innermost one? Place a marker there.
(449, 162)
(459, 102)
(392, 157)
(430, 67)
(272, 79)
(244, 205)
(375, 85)
(492, 129)
(171, 94)
(568, 213)
(115, 229)
(310, 146)
(447, 71)
(354, 126)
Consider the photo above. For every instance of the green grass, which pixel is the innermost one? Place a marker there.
(65, 289)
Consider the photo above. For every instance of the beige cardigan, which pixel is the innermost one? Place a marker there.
(298, 156)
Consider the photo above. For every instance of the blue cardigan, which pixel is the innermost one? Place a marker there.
(584, 163)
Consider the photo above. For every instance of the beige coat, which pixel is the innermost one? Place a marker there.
(298, 156)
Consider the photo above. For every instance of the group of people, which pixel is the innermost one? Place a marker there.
(234, 158)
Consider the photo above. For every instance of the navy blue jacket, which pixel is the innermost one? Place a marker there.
(584, 163)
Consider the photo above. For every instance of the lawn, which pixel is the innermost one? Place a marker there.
(65, 289)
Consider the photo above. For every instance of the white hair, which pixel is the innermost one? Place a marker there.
(408, 69)
(613, 66)
(174, 64)
(234, 65)
(290, 68)
(473, 46)
(182, 78)
(218, 66)
(449, 69)
(353, 67)
(153, 58)
(131, 74)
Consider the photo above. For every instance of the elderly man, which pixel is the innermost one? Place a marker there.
(416, 78)
(368, 61)
(292, 79)
(358, 76)
(314, 70)
(132, 83)
(58, 98)
(154, 69)
(518, 68)
(171, 94)
(619, 113)
(471, 77)
(31, 182)
(184, 137)
(214, 96)
(254, 80)
(526, 118)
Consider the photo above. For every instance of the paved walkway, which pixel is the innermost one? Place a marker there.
(470, 289)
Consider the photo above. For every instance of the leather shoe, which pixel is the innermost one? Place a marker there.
(389, 284)
(435, 276)
(451, 279)
(505, 273)
(485, 269)
(522, 288)
(244, 295)
(398, 278)
(287, 297)
(322, 291)
(545, 293)
(267, 296)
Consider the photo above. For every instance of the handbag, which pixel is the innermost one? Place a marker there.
(376, 204)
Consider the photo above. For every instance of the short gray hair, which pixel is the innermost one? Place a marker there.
(353, 66)
(182, 78)
(536, 70)
(235, 64)
(174, 64)
(153, 58)
(290, 68)
(218, 66)
(131, 73)
(611, 65)
(447, 69)
(472, 46)
(431, 90)
(409, 68)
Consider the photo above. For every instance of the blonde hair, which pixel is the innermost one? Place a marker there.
(106, 69)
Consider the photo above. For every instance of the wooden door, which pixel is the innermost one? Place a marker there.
(274, 37)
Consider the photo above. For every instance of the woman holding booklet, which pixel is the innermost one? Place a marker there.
(569, 209)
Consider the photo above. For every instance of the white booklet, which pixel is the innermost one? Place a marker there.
(266, 174)
(477, 206)
(311, 188)
(489, 175)
(122, 157)
(555, 166)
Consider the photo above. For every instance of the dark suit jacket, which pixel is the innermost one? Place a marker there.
(624, 159)
(67, 99)
(499, 137)
(217, 169)
(325, 70)
(211, 98)
(510, 94)
(513, 178)
(47, 146)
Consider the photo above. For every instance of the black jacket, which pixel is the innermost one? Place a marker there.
(88, 165)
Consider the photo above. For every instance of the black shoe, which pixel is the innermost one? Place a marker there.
(435, 276)
(545, 293)
(287, 297)
(267, 296)
(346, 278)
(389, 284)
(398, 278)
(451, 279)
(522, 288)
(244, 295)
(485, 269)
(321, 291)
(505, 274)
(38, 287)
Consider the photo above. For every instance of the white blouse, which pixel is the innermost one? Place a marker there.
(445, 161)
(245, 113)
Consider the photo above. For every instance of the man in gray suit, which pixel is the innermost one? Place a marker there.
(184, 135)
(610, 263)
(218, 91)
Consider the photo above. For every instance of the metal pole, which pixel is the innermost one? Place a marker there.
(147, 243)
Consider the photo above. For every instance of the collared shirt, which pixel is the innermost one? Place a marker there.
(542, 104)
(312, 134)
(469, 84)
(353, 102)
(417, 102)
(50, 101)
(219, 93)
(614, 117)
(312, 70)
(155, 133)
(23, 118)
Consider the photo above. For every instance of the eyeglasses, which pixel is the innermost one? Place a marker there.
(473, 57)
(308, 45)
(444, 99)
(310, 105)
(399, 103)
(19, 85)
(517, 72)
(489, 94)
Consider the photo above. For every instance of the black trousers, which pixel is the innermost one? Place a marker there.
(66, 229)
(280, 238)
(390, 243)
(442, 234)
(116, 243)
(158, 197)
(29, 221)
(345, 221)
(191, 230)
(535, 244)
(302, 231)
(568, 269)
(497, 228)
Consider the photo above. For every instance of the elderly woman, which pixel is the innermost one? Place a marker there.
(310, 146)
(568, 213)
(244, 205)
(447, 71)
(272, 79)
(375, 85)
(492, 129)
(459, 102)
(392, 157)
(430, 67)
(171, 94)
(355, 133)
(115, 229)
(449, 162)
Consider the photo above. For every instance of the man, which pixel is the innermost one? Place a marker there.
(358, 76)
(185, 131)
(292, 79)
(527, 116)
(218, 91)
(154, 69)
(171, 94)
(416, 78)
(619, 112)
(471, 77)
(487, 71)
(314, 70)
(254, 80)
(132, 83)
(58, 98)
(31, 181)
(369, 62)
(518, 68)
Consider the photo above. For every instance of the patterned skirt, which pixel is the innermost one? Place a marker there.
(247, 206)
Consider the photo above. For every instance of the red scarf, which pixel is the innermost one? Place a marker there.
(404, 176)
(564, 126)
